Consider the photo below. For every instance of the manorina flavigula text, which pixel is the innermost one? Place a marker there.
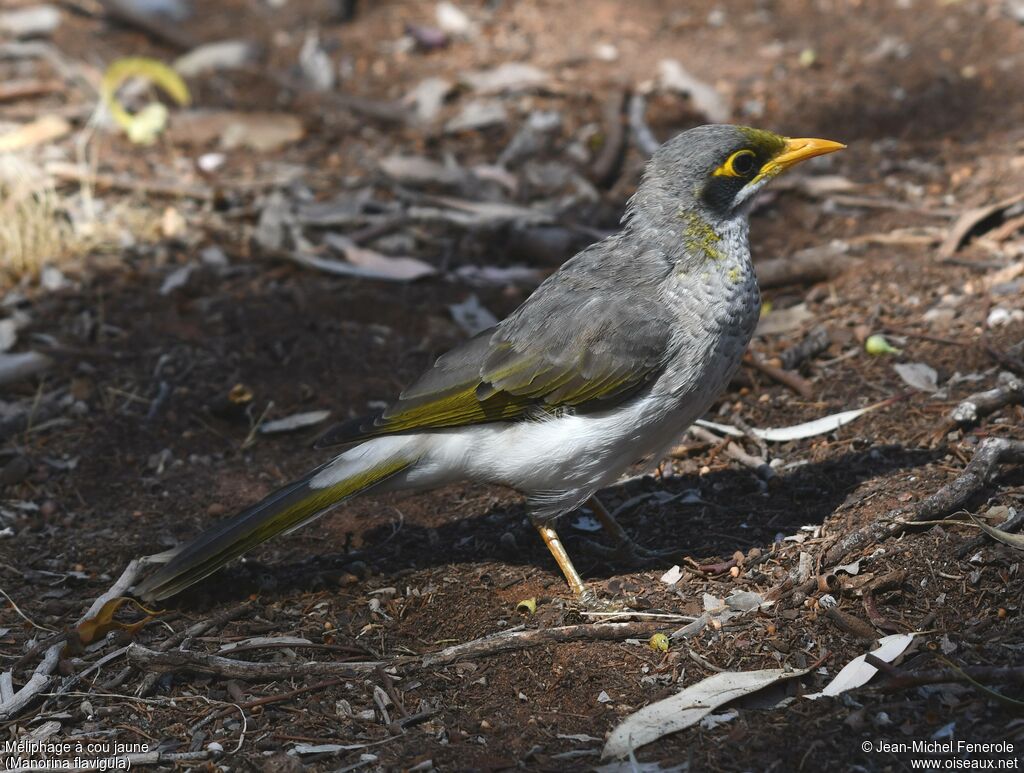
(605, 364)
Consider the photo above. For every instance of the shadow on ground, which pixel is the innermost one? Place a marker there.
(736, 511)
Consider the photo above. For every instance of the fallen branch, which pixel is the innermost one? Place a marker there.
(971, 410)
(982, 469)
(200, 662)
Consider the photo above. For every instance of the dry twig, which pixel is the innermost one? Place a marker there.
(983, 468)
(506, 641)
(43, 674)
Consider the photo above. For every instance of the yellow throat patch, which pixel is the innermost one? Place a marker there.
(700, 237)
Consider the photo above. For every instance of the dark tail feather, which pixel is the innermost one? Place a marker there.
(286, 509)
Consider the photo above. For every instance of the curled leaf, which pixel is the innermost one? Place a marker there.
(527, 606)
(240, 394)
(1015, 541)
(96, 627)
(144, 126)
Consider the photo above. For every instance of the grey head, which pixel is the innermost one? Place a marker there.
(714, 172)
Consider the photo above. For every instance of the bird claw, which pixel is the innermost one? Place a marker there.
(589, 601)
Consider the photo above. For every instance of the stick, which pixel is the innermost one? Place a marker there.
(516, 640)
(149, 680)
(733, 451)
(43, 675)
(806, 267)
(788, 378)
(15, 90)
(813, 344)
(76, 174)
(643, 137)
(1001, 675)
(983, 467)
(972, 409)
(200, 662)
(605, 170)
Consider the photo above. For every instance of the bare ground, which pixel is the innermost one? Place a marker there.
(928, 98)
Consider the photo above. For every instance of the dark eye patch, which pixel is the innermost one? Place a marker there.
(720, 191)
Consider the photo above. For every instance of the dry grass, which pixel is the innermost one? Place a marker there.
(33, 229)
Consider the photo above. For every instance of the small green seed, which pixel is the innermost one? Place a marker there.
(659, 642)
(876, 345)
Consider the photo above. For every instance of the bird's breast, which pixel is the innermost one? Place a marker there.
(717, 305)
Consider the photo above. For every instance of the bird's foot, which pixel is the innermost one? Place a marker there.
(629, 553)
(589, 601)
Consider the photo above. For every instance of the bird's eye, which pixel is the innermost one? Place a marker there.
(739, 164)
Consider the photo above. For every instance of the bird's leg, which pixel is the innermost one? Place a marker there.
(624, 549)
(554, 543)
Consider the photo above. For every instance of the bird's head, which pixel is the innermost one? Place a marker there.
(715, 171)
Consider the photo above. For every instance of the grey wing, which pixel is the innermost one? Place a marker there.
(579, 342)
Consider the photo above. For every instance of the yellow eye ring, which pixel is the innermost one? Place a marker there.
(739, 164)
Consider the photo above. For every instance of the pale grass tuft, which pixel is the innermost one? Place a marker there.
(33, 228)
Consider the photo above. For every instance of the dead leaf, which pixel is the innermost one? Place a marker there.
(797, 431)
(217, 56)
(262, 132)
(858, 672)
(478, 114)
(14, 367)
(918, 375)
(688, 707)
(99, 625)
(473, 213)
(973, 219)
(672, 76)
(44, 129)
(294, 422)
(1015, 541)
(784, 320)
(418, 170)
(378, 265)
(506, 78)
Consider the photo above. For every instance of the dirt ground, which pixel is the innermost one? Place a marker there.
(151, 449)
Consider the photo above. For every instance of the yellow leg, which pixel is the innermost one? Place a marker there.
(554, 543)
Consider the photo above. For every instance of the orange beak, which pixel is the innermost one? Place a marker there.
(796, 150)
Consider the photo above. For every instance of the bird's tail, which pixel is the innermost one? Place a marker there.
(285, 510)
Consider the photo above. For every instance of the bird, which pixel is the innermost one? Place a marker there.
(605, 364)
